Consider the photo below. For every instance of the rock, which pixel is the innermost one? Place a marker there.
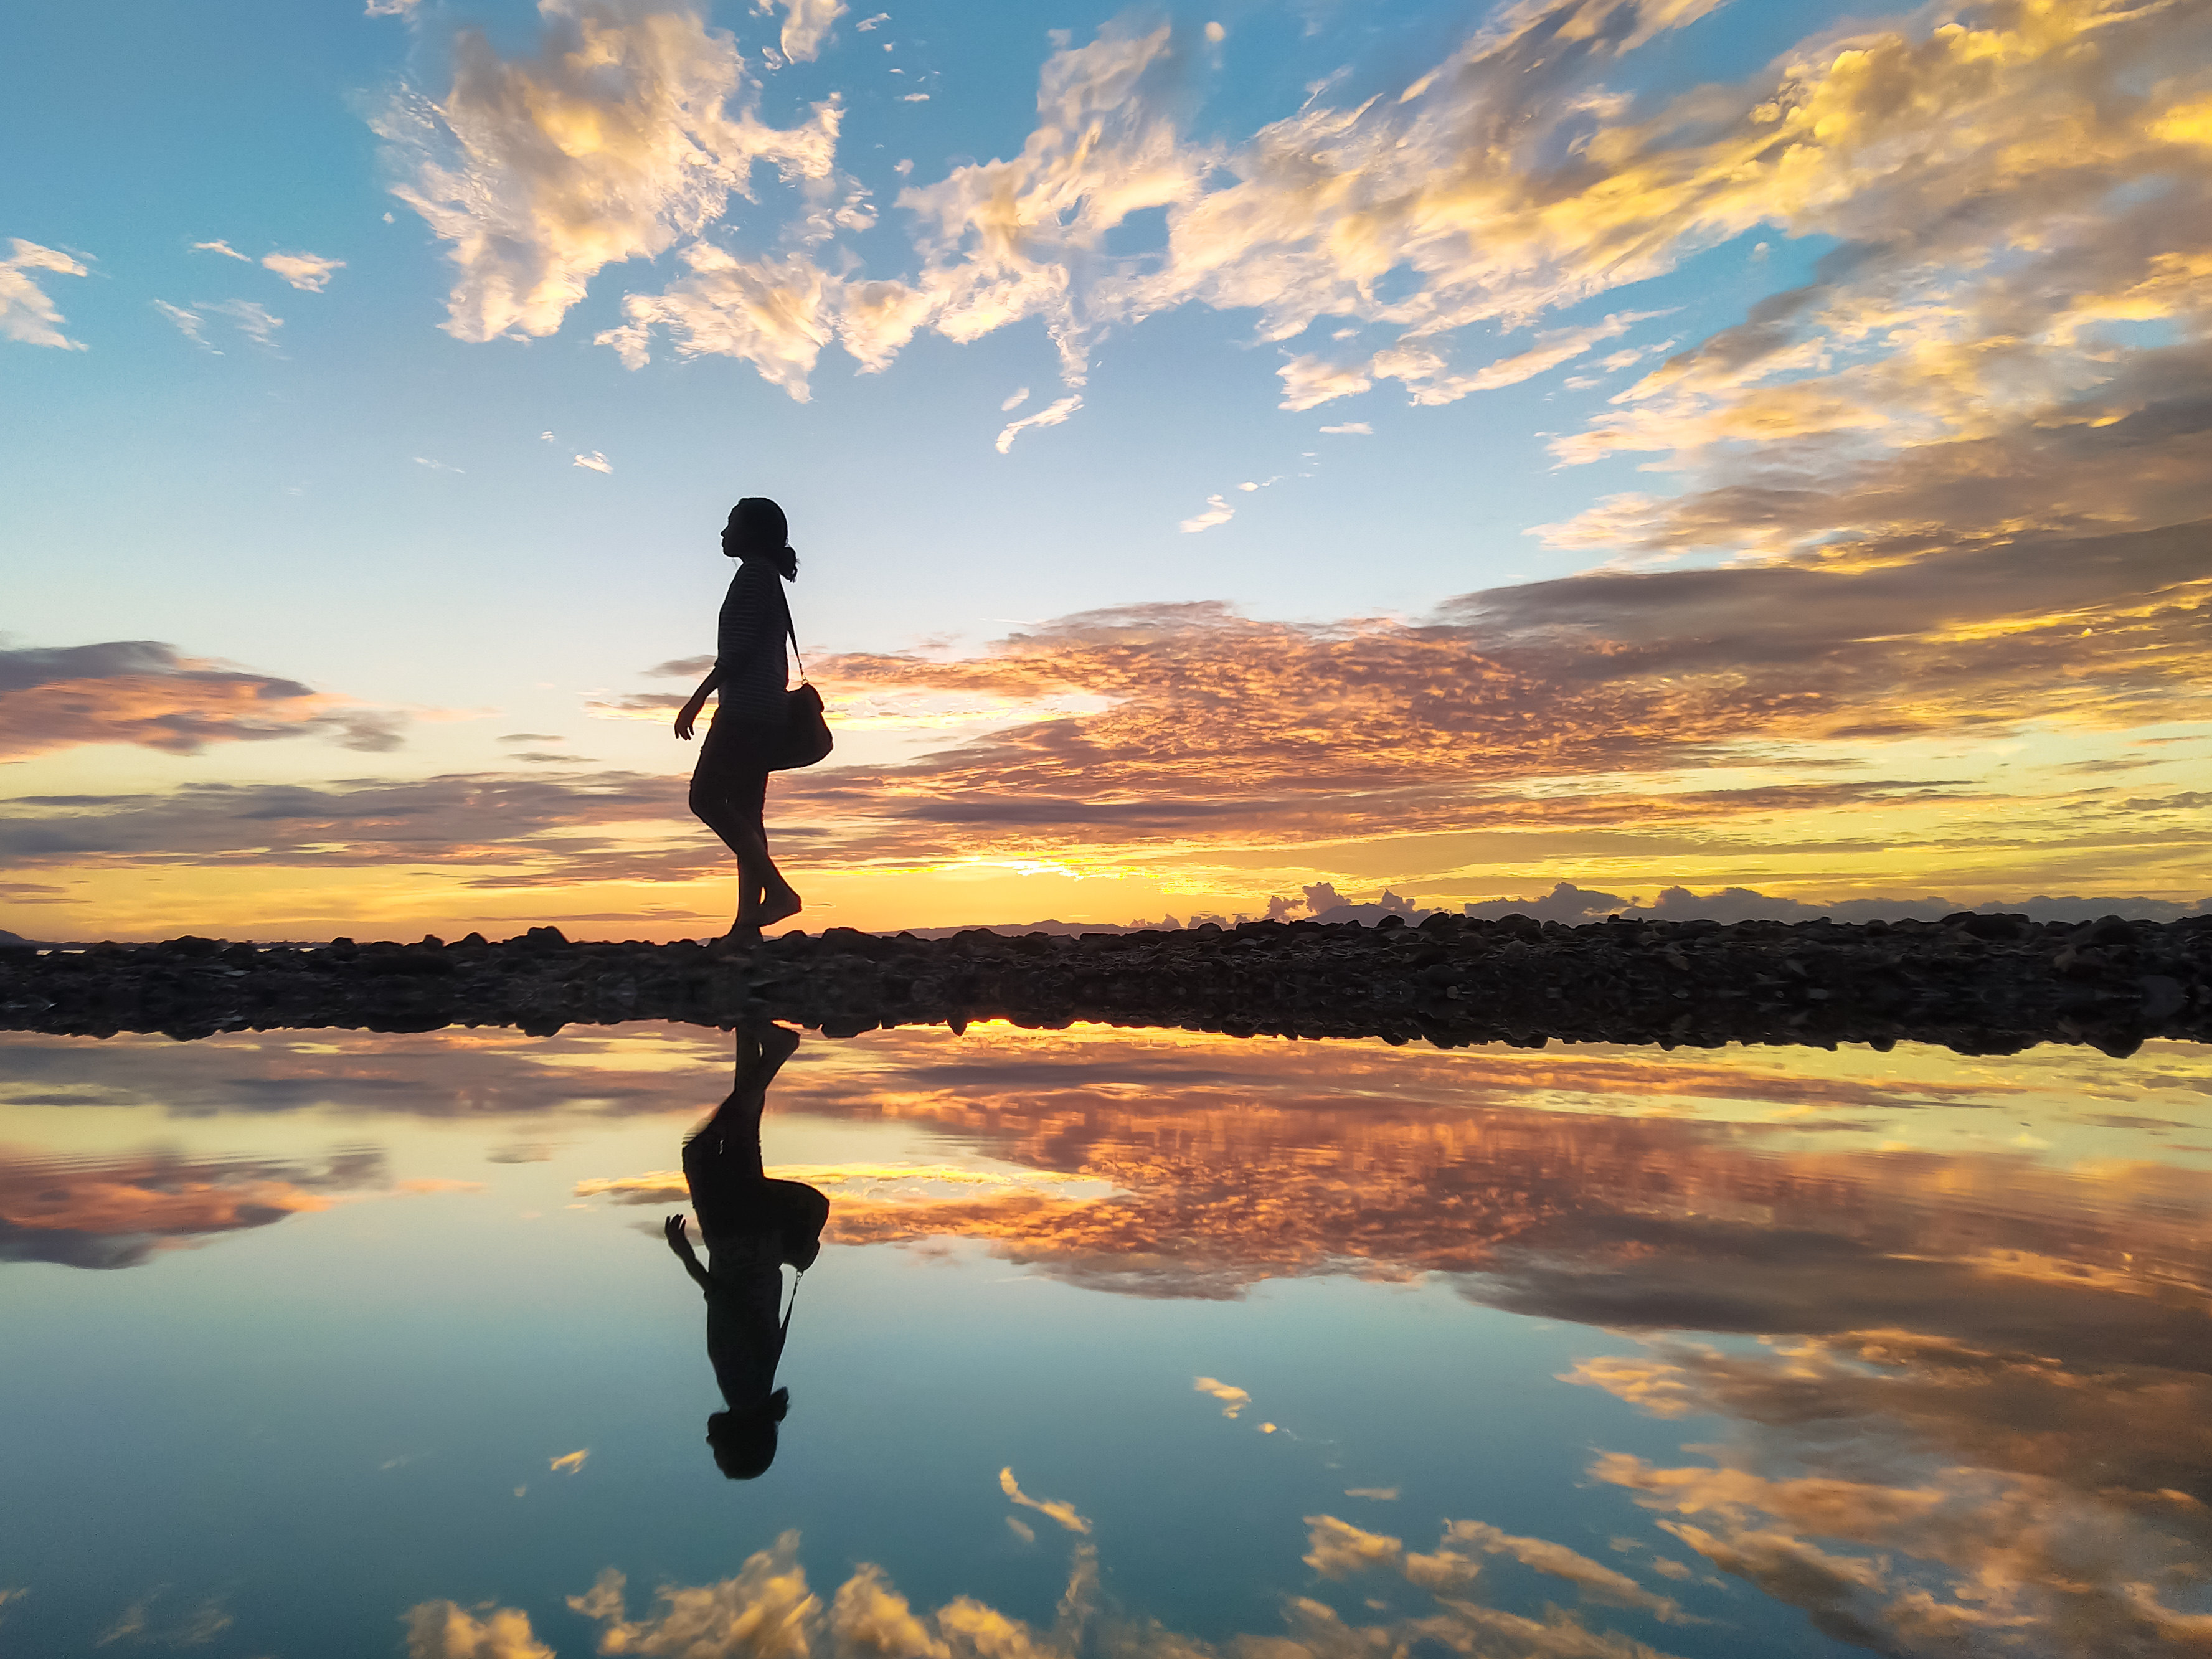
(1985, 985)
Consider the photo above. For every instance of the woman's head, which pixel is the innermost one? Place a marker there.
(758, 529)
(745, 1442)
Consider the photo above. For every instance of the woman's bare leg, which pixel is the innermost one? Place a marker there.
(732, 1132)
(764, 895)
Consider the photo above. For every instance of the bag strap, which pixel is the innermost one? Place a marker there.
(790, 631)
(783, 1329)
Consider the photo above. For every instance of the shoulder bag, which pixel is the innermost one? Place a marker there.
(806, 736)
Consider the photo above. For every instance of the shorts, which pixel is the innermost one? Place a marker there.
(743, 1213)
(734, 762)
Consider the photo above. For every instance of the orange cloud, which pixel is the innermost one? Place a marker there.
(137, 691)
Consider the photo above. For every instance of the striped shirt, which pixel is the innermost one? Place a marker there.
(748, 646)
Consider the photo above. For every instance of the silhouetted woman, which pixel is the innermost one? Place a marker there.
(753, 1227)
(729, 786)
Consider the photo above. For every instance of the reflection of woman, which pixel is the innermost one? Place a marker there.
(752, 1226)
(729, 786)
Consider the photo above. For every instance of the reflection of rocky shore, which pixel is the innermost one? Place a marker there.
(1979, 983)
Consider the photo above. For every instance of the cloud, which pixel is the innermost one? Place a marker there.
(1216, 512)
(1008, 240)
(254, 321)
(2006, 194)
(116, 1212)
(569, 1462)
(1233, 1399)
(1308, 382)
(1350, 428)
(595, 462)
(1428, 376)
(27, 314)
(775, 313)
(190, 324)
(309, 272)
(391, 8)
(224, 248)
(628, 131)
(1053, 415)
(806, 25)
(143, 692)
(1052, 1509)
(1014, 401)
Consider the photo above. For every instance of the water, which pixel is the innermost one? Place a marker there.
(338, 1343)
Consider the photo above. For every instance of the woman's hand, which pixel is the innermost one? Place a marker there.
(672, 1230)
(688, 716)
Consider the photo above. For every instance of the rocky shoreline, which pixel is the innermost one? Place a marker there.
(1976, 983)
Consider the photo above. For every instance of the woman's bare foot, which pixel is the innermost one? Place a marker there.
(775, 906)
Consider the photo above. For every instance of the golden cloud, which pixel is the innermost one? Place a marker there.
(1052, 1509)
(767, 1611)
(444, 1630)
(618, 139)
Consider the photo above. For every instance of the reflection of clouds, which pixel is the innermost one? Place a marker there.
(767, 1611)
(1337, 1549)
(443, 1629)
(1052, 1509)
(1649, 1223)
(1233, 1399)
(1916, 1494)
(116, 1211)
(1594, 1579)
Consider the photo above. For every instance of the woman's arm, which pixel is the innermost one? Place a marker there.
(672, 1230)
(687, 717)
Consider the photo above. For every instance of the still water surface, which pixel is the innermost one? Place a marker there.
(347, 1343)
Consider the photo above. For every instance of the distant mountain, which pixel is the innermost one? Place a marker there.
(1574, 905)
(1016, 929)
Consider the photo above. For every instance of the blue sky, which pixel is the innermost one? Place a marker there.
(1570, 309)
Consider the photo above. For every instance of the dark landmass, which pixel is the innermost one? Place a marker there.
(1977, 983)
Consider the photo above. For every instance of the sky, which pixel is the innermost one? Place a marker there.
(1229, 450)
